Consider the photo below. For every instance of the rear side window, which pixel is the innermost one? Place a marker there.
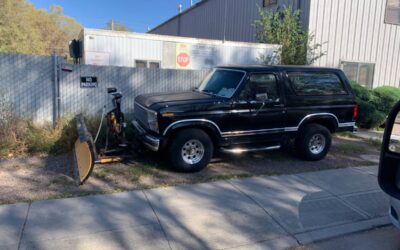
(316, 83)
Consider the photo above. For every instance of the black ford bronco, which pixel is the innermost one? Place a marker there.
(241, 109)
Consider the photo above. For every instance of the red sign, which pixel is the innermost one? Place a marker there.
(183, 59)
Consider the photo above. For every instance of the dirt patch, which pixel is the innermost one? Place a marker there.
(39, 178)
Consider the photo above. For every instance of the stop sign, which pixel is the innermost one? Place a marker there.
(183, 59)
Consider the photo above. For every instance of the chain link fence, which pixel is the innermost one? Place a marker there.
(45, 88)
(28, 83)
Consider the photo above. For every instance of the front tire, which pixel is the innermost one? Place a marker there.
(313, 142)
(190, 150)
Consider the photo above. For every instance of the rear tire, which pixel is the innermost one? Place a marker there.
(190, 150)
(313, 142)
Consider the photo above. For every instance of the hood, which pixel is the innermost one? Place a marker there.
(148, 100)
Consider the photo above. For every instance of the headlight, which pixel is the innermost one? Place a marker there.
(152, 121)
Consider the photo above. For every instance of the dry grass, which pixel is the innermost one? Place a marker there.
(24, 138)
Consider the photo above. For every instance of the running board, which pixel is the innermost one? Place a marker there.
(245, 150)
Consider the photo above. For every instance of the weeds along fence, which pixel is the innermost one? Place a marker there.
(45, 88)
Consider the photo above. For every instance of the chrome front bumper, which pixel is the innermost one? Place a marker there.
(148, 140)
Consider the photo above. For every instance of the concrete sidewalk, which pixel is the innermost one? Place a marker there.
(254, 213)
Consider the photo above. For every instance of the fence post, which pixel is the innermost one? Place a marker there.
(56, 90)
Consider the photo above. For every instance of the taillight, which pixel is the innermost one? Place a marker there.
(355, 111)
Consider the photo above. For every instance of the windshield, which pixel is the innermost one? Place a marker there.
(221, 82)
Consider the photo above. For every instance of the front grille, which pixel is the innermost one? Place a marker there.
(140, 114)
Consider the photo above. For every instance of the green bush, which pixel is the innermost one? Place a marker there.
(369, 113)
(386, 98)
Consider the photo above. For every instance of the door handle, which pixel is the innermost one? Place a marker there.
(278, 105)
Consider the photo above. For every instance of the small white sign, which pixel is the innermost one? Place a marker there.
(97, 58)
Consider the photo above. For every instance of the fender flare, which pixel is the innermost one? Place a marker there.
(320, 116)
(200, 123)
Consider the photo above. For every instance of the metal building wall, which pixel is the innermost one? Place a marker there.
(207, 20)
(122, 50)
(354, 30)
(113, 48)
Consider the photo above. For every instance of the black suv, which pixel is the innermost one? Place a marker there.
(241, 109)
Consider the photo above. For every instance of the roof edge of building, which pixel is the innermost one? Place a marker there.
(178, 39)
(179, 14)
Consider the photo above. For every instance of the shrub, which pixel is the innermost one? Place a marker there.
(23, 137)
(11, 129)
(369, 115)
(47, 139)
(386, 98)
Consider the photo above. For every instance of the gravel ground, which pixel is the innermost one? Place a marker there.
(39, 178)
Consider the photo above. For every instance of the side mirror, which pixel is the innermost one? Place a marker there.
(389, 164)
(262, 97)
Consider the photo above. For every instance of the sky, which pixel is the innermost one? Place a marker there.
(138, 15)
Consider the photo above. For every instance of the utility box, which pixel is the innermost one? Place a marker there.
(129, 49)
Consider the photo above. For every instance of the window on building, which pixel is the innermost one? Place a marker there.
(362, 73)
(316, 83)
(392, 15)
(154, 65)
(140, 64)
(268, 3)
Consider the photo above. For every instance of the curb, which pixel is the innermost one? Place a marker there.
(337, 231)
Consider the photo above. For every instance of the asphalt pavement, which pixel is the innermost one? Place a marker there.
(276, 212)
(385, 238)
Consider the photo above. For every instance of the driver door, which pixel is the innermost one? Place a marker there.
(258, 111)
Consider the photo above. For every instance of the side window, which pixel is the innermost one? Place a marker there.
(261, 84)
(268, 3)
(154, 65)
(392, 14)
(316, 84)
(140, 64)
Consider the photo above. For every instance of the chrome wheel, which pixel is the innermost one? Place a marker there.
(192, 152)
(317, 144)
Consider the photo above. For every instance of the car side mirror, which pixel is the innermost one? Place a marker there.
(263, 97)
(389, 163)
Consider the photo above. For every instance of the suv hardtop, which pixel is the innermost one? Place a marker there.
(242, 108)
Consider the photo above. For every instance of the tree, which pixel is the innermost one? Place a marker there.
(113, 25)
(284, 28)
(69, 26)
(25, 29)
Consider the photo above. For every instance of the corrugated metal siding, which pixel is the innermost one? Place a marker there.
(207, 20)
(123, 50)
(354, 30)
